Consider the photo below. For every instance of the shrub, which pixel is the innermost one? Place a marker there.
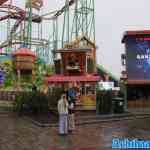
(38, 103)
(54, 96)
(20, 102)
(34, 102)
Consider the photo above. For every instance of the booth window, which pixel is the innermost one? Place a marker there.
(90, 89)
(83, 89)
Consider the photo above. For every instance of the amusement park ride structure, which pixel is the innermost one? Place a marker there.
(75, 54)
(77, 17)
(70, 44)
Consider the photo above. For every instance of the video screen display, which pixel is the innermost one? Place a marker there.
(138, 59)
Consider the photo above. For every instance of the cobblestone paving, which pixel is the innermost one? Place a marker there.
(19, 134)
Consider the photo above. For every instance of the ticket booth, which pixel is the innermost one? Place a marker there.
(73, 69)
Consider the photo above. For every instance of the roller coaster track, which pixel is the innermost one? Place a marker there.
(3, 1)
(59, 12)
(34, 41)
(17, 13)
(16, 25)
(20, 15)
(11, 7)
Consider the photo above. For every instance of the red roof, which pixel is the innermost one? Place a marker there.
(135, 33)
(62, 78)
(138, 32)
(24, 52)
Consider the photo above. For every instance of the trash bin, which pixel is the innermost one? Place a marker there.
(103, 105)
(118, 104)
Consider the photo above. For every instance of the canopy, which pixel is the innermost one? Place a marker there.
(83, 78)
(23, 52)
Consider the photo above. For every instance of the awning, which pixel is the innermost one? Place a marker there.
(61, 78)
(23, 52)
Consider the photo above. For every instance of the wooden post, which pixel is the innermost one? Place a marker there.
(19, 75)
(94, 59)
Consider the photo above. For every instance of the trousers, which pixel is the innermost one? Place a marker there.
(63, 123)
(71, 120)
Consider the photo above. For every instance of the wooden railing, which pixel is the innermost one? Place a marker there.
(10, 95)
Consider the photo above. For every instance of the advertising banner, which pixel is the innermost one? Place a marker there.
(138, 59)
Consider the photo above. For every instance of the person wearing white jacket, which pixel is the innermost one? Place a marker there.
(63, 115)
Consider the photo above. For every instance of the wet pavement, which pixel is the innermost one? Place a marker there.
(20, 134)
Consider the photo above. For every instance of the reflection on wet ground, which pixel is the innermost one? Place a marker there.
(20, 134)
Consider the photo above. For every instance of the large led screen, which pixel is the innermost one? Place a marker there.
(138, 59)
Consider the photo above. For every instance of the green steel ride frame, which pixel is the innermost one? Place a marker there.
(83, 23)
(78, 21)
(84, 20)
(28, 30)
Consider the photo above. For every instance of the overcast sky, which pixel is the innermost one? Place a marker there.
(113, 17)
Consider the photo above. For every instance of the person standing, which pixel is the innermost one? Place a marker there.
(71, 117)
(72, 95)
(63, 115)
(72, 100)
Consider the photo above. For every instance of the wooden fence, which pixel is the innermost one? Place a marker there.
(10, 95)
